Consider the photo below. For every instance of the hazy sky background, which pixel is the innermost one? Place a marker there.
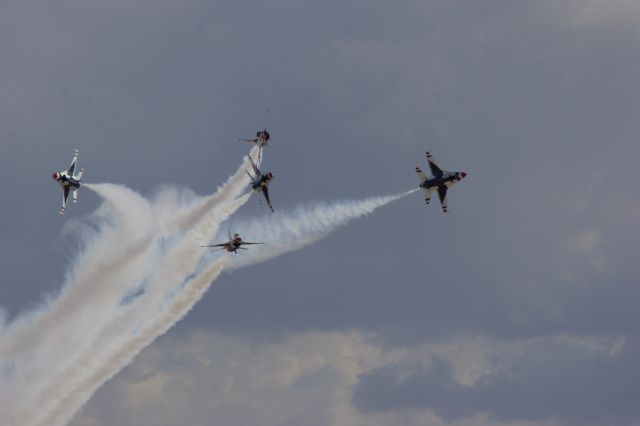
(519, 307)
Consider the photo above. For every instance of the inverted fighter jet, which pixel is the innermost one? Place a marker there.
(440, 180)
(69, 181)
(233, 245)
(262, 138)
(260, 183)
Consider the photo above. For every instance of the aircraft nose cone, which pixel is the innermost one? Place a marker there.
(463, 174)
(55, 176)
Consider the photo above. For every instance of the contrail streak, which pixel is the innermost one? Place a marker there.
(43, 344)
(128, 347)
(53, 359)
(286, 232)
(102, 263)
(133, 327)
(233, 187)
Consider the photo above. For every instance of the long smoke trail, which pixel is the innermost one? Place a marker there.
(101, 262)
(56, 357)
(136, 325)
(127, 350)
(184, 217)
(37, 348)
(288, 232)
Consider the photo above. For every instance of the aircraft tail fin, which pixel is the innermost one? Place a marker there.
(79, 175)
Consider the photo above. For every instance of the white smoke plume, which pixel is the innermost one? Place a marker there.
(176, 219)
(174, 287)
(124, 348)
(124, 288)
(140, 270)
(286, 232)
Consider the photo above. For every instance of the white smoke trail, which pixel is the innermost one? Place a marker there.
(102, 262)
(183, 218)
(40, 346)
(134, 326)
(37, 348)
(54, 359)
(286, 232)
(128, 348)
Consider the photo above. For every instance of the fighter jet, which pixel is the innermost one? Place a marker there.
(441, 181)
(233, 245)
(262, 139)
(69, 181)
(260, 183)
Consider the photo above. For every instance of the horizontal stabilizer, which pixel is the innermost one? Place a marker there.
(427, 196)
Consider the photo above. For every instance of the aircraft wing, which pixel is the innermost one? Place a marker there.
(72, 168)
(65, 195)
(216, 245)
(442, 194)
(265, 192)
(245, 243)
(435, 170)
(421, 174)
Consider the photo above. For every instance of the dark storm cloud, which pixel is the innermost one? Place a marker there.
(569, 382)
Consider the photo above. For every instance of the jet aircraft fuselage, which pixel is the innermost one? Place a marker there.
(448, 179)
(70, 181)
(262, 182)
(66, 181)
(233, 245)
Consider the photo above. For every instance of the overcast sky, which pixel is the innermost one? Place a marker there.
(518, 307)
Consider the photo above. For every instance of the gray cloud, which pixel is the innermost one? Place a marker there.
(571, 382)
(210, 377)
